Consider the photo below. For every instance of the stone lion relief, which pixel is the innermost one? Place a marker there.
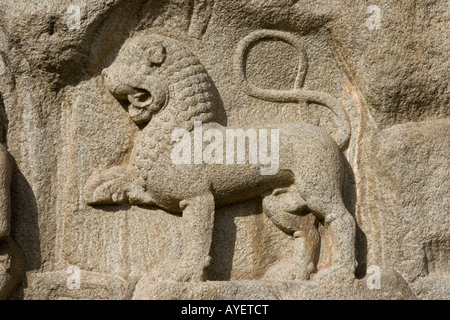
(164, 87)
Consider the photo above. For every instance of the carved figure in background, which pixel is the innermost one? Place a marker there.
(11, 260)
(165, 87)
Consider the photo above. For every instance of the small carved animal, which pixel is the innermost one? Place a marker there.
(165, 87)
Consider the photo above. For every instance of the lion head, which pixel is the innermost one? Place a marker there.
(157, 77)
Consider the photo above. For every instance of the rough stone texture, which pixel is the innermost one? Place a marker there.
(418, 191)
(82, 143)
(53, 286)
(394, 288)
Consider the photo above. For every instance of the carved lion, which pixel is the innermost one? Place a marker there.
(164, 87)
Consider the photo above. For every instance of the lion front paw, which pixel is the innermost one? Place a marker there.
(108, 187)
(107, 193)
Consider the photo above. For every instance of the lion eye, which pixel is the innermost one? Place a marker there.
(141, 98)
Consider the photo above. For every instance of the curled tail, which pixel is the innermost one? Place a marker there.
(296, 95)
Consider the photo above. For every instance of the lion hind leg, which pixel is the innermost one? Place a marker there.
(283, 206)
(307, 247)
(342, 228)
(288, 211)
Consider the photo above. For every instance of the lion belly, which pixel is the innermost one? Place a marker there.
(306, 153)
(238, 183)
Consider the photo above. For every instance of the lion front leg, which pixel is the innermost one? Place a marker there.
(198, 223)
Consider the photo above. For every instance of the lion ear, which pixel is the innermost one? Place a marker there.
(157, 53)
